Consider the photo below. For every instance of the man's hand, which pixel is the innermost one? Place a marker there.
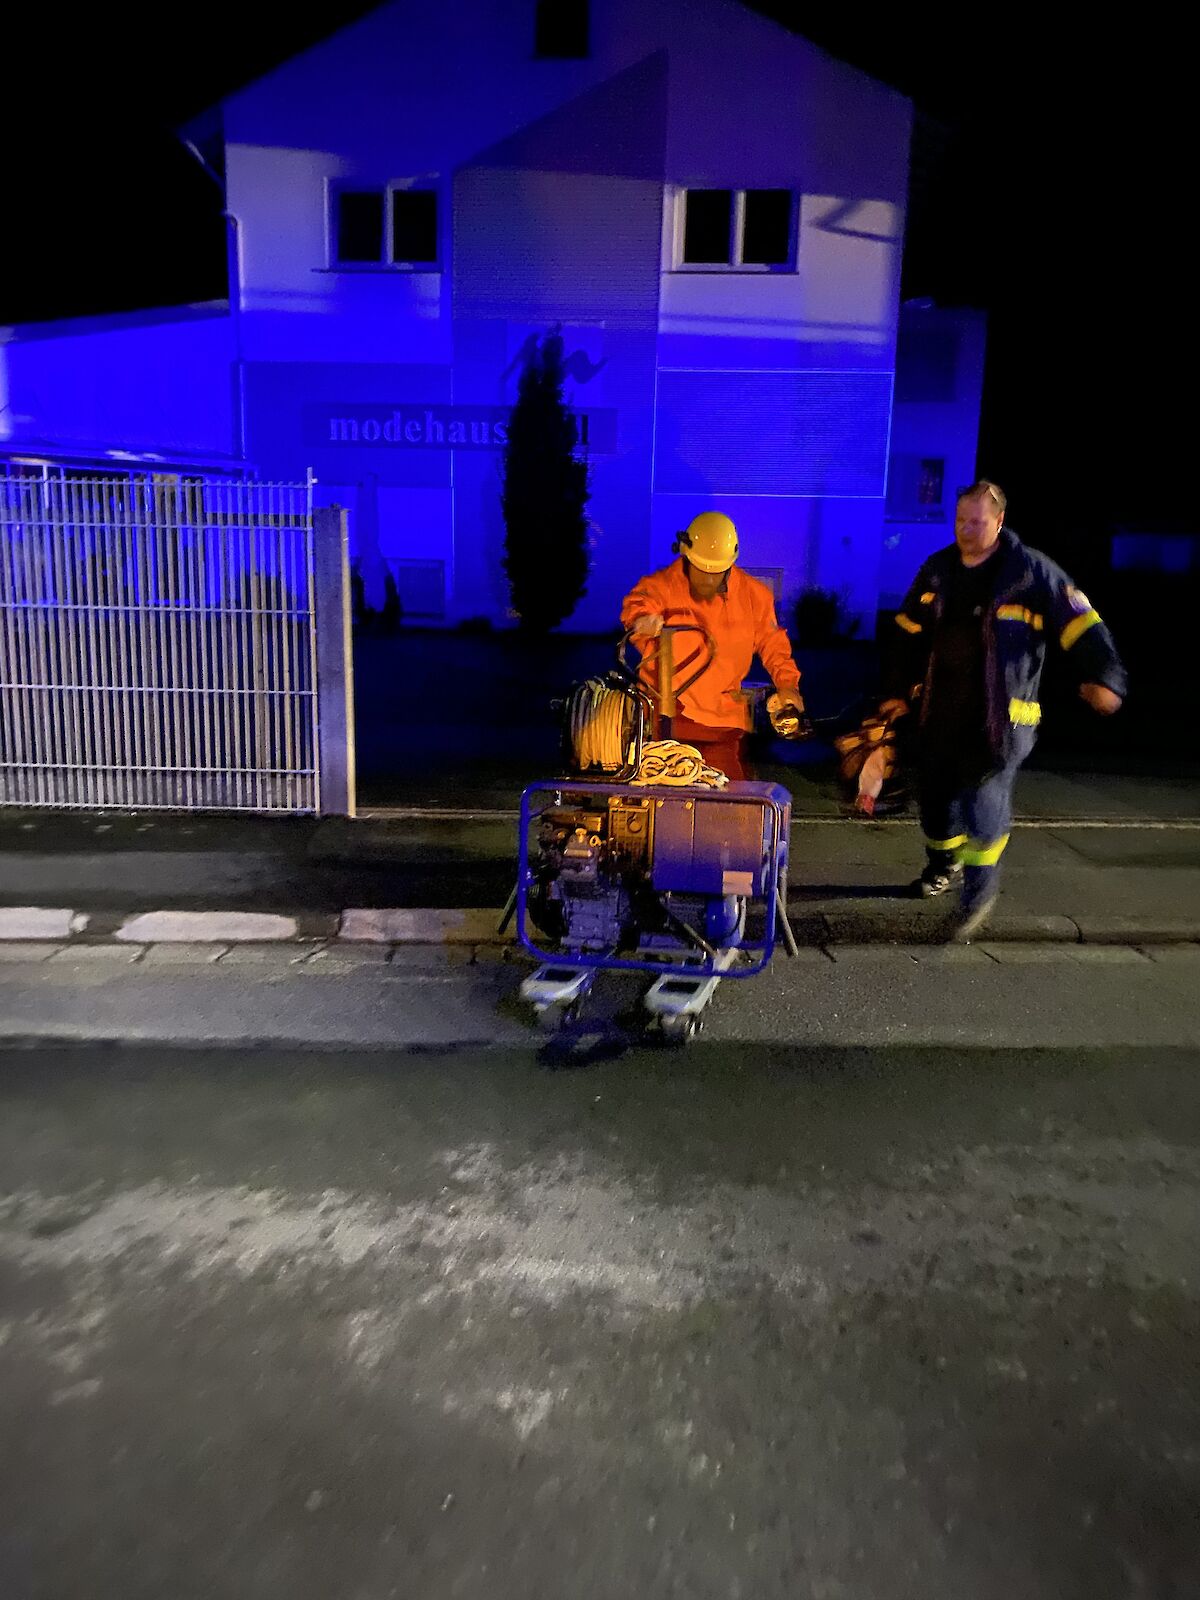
(648, 627)
(1100, 699)
(893, 708)
(786, 697)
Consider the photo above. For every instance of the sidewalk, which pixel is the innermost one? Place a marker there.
(1093, 859)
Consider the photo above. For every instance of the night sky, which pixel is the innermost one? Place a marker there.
(1053, 187)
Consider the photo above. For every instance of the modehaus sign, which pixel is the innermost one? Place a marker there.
(437, 427)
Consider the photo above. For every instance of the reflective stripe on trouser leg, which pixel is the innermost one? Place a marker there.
(941, 820)
(978, 854)
(981, 872)
(942, 854)
(988, 811)
(946, 847)
(987, 814)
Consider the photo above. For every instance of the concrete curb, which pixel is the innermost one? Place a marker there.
(475, 928)
(40, 922)
(469, 925)
(905, 924)
(1138, 930)
(206, 927)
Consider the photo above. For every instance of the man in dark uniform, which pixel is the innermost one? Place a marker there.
(971, 648)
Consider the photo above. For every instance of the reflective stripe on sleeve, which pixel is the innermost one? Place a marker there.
(1077, 626)
(1024, 713)
(907, 623)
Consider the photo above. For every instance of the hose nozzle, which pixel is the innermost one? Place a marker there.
(787, 722)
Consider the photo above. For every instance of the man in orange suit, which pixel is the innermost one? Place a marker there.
(706, 589)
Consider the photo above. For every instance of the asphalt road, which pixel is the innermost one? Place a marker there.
(806, 1310)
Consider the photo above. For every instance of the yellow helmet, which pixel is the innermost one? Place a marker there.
(710, 542)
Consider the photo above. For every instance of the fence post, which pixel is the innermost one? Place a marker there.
(335, 664)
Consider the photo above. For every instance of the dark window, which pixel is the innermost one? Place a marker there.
(929, 484)
(360, 225)
(707, 226)
(414, 225)
(739, 228)
(767, 233)
(562, 30)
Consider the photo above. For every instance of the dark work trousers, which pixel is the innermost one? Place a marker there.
(967, 821)
(723, 748)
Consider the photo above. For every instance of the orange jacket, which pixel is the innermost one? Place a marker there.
(742, 624)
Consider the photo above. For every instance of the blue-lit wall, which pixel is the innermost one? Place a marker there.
(935, 435)
(160, 381)
(767, 395)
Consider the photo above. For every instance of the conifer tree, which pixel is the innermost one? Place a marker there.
(544, 496)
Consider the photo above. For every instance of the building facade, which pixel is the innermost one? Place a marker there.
(935, 433)
(709, 209)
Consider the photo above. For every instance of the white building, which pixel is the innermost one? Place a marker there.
(710, 208)
(935, 432)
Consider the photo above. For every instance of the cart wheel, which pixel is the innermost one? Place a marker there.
(679, 1030)
(553, 1018)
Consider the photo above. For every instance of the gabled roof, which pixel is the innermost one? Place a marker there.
(203, 130)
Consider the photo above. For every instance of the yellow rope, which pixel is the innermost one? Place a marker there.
(678, 766)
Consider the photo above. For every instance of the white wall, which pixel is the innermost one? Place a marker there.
(417, 92)
(936, 414)
(557, 180)
(544, 168)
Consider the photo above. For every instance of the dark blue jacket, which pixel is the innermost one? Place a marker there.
(1033, 600)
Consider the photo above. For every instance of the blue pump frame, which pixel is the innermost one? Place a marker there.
(765, 793)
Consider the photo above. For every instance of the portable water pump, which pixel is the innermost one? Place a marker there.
(641, 859)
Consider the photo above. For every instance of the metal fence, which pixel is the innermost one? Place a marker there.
(157, 644)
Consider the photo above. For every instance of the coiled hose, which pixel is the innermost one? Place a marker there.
(606, 720)
(603, 723)
(602, 729)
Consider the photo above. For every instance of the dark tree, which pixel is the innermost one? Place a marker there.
(358, 599)
(544, 496)
(392, 613)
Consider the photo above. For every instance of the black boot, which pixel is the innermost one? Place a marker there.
(942, 873)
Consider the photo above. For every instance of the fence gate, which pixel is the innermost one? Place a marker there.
(159, 644)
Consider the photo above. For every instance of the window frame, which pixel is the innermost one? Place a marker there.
(902, 498)
(737, 224)
(334, 188)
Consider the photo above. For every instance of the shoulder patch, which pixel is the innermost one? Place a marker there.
(1077, 600)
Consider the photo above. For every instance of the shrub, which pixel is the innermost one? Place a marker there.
(821, 617)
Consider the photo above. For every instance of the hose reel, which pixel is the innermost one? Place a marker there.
(605, 718)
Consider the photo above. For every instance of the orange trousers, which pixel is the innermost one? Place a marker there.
(723, 748)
